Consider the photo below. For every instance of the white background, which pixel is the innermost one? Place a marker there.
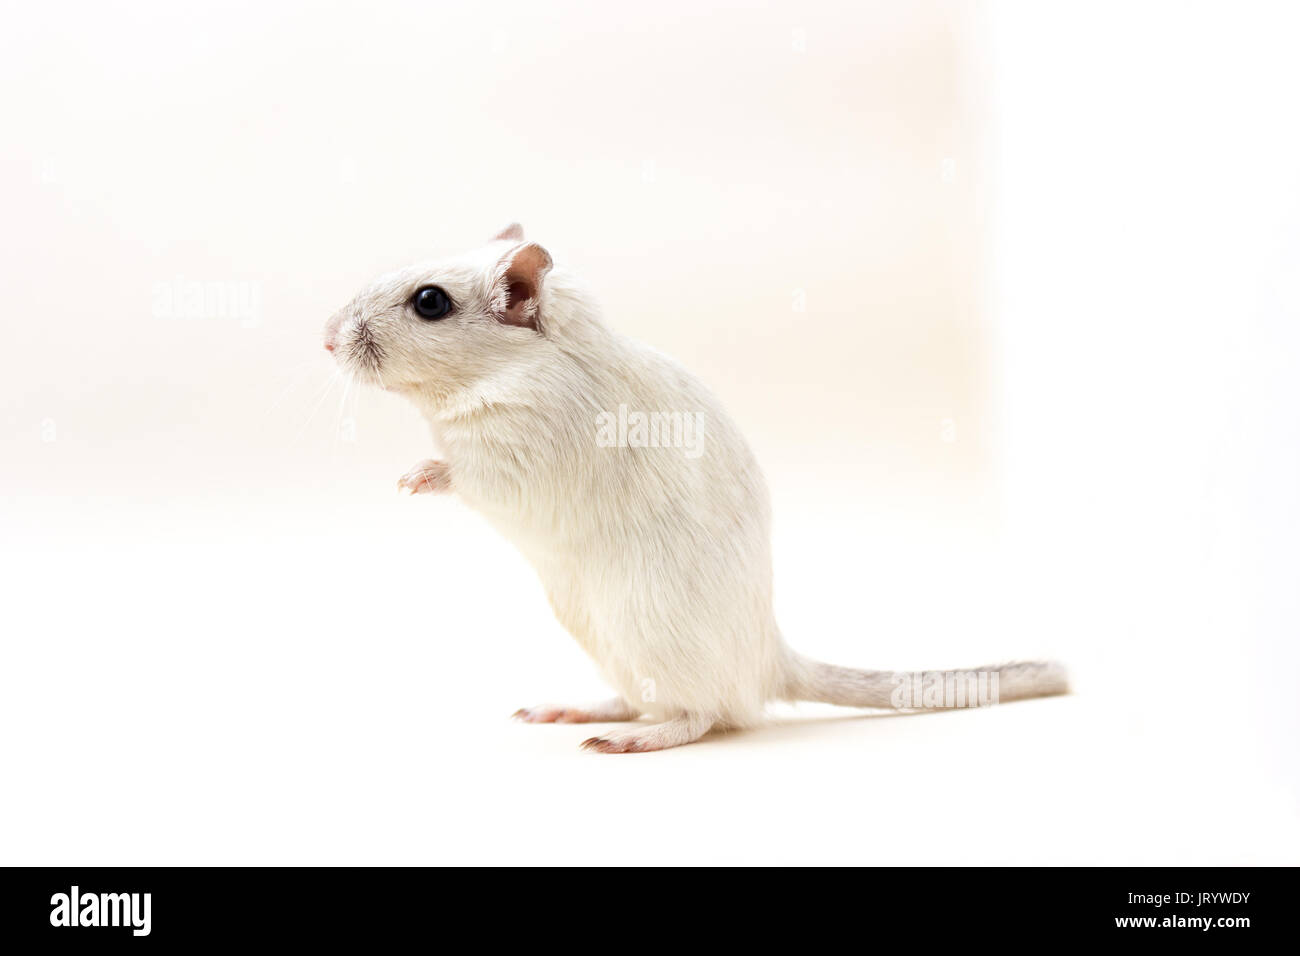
(1064, 235)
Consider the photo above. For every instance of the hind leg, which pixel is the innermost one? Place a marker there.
(610, 711)
(671, 733)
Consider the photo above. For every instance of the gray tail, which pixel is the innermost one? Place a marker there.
(849, 687)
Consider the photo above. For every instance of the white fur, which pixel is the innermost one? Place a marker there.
(657, 562)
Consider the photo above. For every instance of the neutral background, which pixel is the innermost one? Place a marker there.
(1004, 296)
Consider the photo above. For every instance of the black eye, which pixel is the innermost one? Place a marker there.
(431, 302)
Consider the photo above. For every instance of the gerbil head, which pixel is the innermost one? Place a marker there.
(442, 326)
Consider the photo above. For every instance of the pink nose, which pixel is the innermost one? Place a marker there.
(332, 330)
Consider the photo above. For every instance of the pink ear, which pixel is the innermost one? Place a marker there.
(520, 285)
(514, 232)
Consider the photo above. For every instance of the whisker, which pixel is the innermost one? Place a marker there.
(299, 374)
(329, 387)
(343, 399)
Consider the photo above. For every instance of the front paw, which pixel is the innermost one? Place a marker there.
(429, 477)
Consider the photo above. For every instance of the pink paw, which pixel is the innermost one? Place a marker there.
(428, 477)
(552, 715)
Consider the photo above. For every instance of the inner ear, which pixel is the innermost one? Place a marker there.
(522, 275)
(517, 296)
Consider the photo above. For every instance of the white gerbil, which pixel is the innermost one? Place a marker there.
(654, 552)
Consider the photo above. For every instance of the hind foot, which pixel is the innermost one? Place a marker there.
(671, 733)
(609, 711)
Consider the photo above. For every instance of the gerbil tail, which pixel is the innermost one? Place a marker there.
(905, 690)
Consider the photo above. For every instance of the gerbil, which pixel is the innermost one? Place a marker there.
(656, 559)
